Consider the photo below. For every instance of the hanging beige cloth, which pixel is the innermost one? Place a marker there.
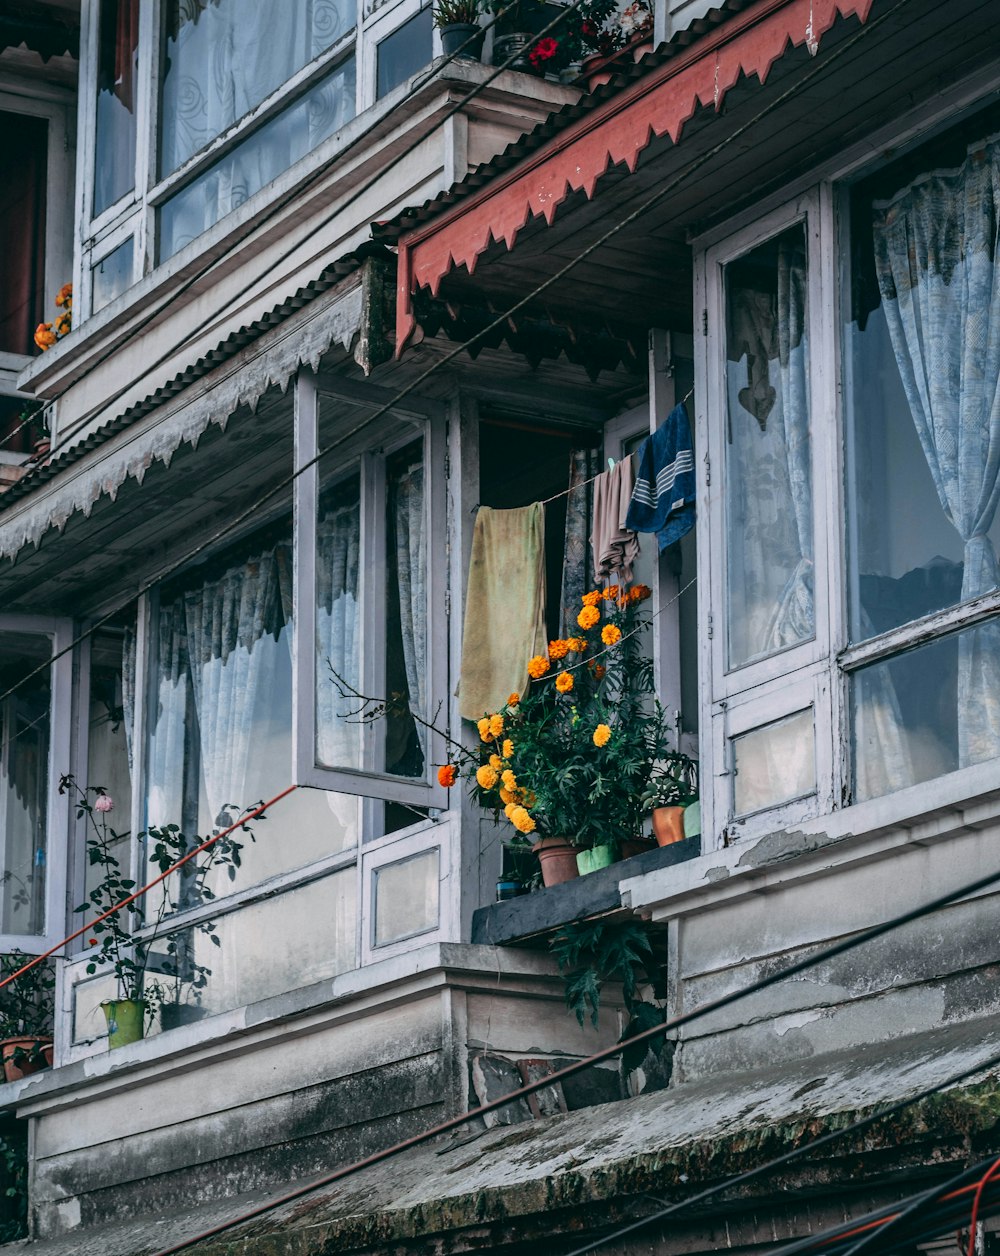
(615, 546)
(504, 607)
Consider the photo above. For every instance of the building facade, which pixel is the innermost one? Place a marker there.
(332, 294)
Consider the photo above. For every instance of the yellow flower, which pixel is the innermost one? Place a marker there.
(64, 297)
(509, 780)
(508, 749)
(588, 617)
(511, 806)
(592, 598)
(496, 763)
(484, 728)
(611, 634)
(538, 666)
(602, 735)
(521, 820)
(610, 593)
(514, 699)
(496, 725)
(486, 777)
(558, 649)
(64, 323)
(577, 644)
(509, 797)
(564, 682)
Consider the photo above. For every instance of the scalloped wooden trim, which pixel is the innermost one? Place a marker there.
(614, 133)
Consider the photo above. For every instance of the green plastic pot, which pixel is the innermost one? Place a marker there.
(596, 857)
(126, 1019)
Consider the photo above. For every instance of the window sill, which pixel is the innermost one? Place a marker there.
(863, 833)
(532, 918)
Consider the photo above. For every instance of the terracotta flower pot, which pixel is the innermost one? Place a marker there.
(14, 1070)
(558, 860)
(668, 825)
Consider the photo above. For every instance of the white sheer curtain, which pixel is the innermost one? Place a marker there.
(411, 568)
(165, 793)
(338, 539)
(935, 257)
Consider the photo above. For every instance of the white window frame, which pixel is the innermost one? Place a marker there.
(57, 818)
(766, 689)
(367, 783)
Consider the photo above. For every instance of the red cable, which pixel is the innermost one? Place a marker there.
(994, 1167)
(156, 881)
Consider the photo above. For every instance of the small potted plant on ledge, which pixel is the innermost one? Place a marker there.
(458, 22)
(124, 941)
(26, 1012)
(672, 789)
(569, 762)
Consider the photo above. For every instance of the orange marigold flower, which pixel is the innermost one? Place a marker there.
(600, 671)
(496, 763)
(509, 780)
(496, 725)
(486, 777)
(577, 644)
(45, 337)
(530, 798)
(64, 324)
(592, 598)
(640, 592)
(611, 634)
(447, 775)
(508, 749)
(64, 297)
(514, 699)
(558, 649)
(484, 728)
(521, 820)
(602, 735)
(610, 593)
(564, 682)
(538, 666)
(510, 797)
(588, 617)
(509, 808)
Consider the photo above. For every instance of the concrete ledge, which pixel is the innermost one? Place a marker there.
(532, 916)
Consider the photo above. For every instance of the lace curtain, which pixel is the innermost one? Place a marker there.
(935, 258)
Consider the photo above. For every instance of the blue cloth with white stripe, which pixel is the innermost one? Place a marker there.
(663, 496)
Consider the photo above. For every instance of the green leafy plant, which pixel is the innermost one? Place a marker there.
(27, 1003)
(124, 942)
(457, 12)
(592, 952)
(13, 1180)
(674, 783)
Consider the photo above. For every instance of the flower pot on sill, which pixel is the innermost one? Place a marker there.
(463, 38)
(636, 846)
(126, 1019)
(594, 858)
(558, 860)
(506, 46)
(668, 825)
(31, 1044)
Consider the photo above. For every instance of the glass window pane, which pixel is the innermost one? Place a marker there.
(117, 63)
(769, 529)
(406, 612)
(774, 764)
(922, 367)
(24, 782)
(269, 947)
(338, 625)
(109, 750)
(405, 897)
(221, 716)
(403, 53)
(89, 1022)
(111, 276)
(907, 730)
(259, 159)
(24, 302)
(223, 57)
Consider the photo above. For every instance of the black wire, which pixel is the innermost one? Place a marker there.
(796, 1153)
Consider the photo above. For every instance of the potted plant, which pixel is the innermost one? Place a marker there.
(672, 788)
(26, 1013)
(124, 941)
(569, 762)
(458, 22)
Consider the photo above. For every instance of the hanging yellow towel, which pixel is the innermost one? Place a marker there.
(504, 607)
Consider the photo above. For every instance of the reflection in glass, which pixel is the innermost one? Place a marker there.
(117, 62)
(909, 725)
(24, 781)
(406, 611)
(111, 276)
(774, 764)
(259, 159)
(221, 714)
(769, 531)
(405, 52)
(223, 57)
(109, 728)
(405, 897)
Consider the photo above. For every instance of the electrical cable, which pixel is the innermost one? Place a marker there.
(841, 50)
(656, 1031)
(296, 193)
(974, 1216)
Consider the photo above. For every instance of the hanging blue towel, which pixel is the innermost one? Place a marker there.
(663, 496)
